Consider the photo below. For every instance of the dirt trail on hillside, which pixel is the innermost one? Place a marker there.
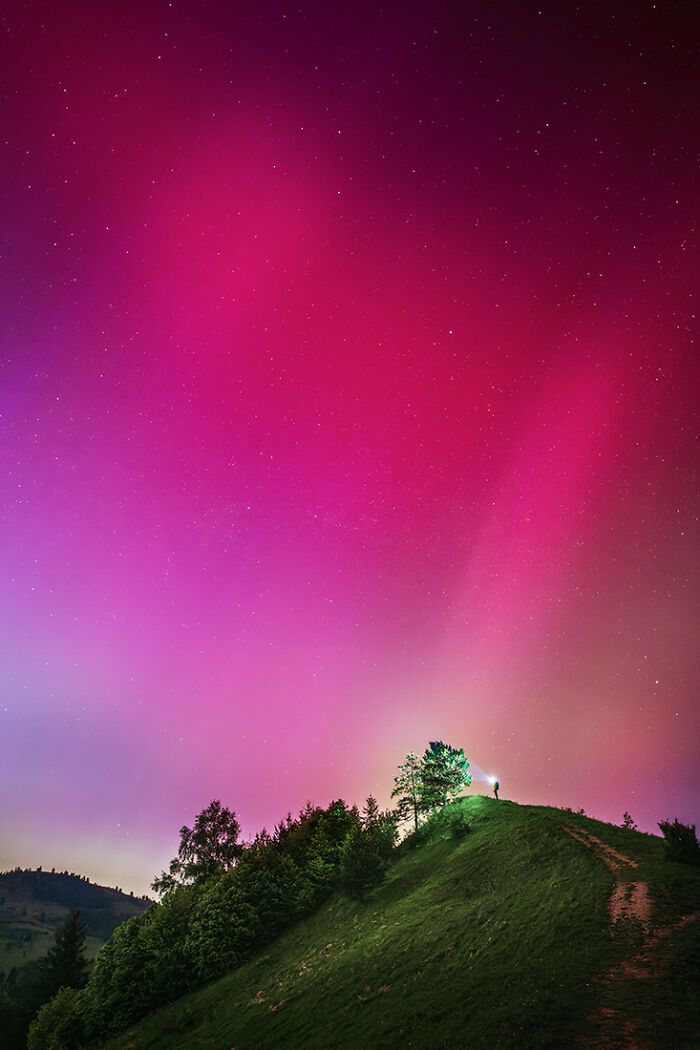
(612, 857)
(629, 900)
(630, 911)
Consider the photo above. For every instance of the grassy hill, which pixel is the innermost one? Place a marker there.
(34, 904)
(535, 928)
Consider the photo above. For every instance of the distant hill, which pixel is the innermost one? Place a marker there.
(34, 904)
(534, 929)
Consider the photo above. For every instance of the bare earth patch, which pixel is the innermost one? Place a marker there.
(607, 854)
(629, 908)
(630, 900)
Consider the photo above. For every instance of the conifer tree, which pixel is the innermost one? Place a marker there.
(367, 850)
(371, 816)
(65, 965)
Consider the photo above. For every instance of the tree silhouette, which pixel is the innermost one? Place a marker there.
(65, 965)
(370, 815)
(681, 841)
(210, 847)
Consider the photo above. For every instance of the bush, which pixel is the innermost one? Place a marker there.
(681, 841)
(459, 824)
(59, 1025)
(119, 981)
(418, 837)
(272, 885)
(223, 929)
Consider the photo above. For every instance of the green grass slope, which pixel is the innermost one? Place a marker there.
(34, 904)
(498, 938)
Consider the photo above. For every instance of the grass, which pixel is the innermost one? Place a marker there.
(494, 938)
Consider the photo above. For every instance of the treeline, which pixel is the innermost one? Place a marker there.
(210, 922)
(222, 900)
(62, 887)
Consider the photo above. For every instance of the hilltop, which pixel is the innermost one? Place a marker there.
(498, 926)
(35, 903)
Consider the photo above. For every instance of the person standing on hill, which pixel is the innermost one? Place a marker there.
(496, 786)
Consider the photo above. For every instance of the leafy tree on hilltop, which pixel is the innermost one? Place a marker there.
(210, 847)
(408, 789)
(445, 773)
(65, 965)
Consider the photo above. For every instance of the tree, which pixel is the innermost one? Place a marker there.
(59, 1024)
(628, 821)
(408, 789)
(367, 851)
(210, 847)
(223, 928)
(681, 841)
(65, 965)
(370, 816)
(445, 773)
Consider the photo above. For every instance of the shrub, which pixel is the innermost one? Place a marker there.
(418, 837)
(223, 929)
(681, 841)
(459, 824)
(273, 885)
(59, 1025)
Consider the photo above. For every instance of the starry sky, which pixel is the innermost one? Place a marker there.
(348, 400)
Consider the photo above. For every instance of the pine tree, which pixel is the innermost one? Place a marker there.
(370, 814)
(65, 965)
(367, 851)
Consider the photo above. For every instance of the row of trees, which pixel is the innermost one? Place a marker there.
(220, 902)
(221, 899)
(40, 881)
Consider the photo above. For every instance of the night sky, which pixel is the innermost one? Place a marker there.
(348, 400)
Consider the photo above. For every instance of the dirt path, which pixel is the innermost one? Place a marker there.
(607, 854)
(630, 911)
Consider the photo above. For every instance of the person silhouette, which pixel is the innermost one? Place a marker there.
(496, 786)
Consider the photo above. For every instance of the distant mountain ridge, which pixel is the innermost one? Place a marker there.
(35, 903)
